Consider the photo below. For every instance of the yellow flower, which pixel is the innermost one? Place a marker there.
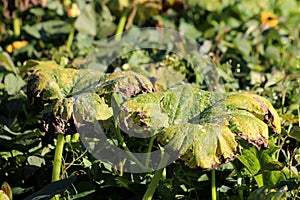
(16, 45)
(10, 48)
(73, 11)
(269, 20)
(20, 44)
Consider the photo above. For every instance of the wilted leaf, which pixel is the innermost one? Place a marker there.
(143, 111)
(250, 128)
(127, 84)
(258, 106)
(7, 190)
(3, 195)
(49, 81)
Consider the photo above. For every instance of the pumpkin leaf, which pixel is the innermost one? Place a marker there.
(205, 146)
(258, 106)
(161, 109)
(250, 128)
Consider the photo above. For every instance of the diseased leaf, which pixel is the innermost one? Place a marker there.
(250, 128)
(186, 103)
(49, 81)
(162, 77)
(256, 105)
(3, 195)
(162, 109)
(5, 187)
(89, 105)
(205, 146)
(144, 110)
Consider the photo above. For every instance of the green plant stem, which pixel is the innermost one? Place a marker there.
(149, 151)
(121, 25)
(16, 25)
(239, 182)
(153, 185)
(213, 185)
(57, 159)
(124, 146)
(70, 37)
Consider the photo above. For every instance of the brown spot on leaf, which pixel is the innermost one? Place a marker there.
(268, 116)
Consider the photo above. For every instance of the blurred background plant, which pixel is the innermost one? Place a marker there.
(255, 45)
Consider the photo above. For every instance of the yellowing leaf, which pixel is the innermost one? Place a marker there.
(258, 106)
(205, 146)
(250, 128)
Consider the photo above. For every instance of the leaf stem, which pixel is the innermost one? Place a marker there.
(57, 159)
(121, 25)
(213, 185)
(124, 146)
(153, 185)
(239, 181)
(149, 150)
(70, 37)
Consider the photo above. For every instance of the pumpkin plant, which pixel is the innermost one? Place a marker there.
(180, 116)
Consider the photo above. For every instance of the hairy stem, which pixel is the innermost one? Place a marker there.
(153, 185)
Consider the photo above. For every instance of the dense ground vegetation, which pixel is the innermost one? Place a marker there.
(255, 45)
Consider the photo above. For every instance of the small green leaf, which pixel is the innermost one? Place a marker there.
(295, 133)
(274, 78)
(13, 83)
(86, 21)
(7, 63)
(35, 161)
